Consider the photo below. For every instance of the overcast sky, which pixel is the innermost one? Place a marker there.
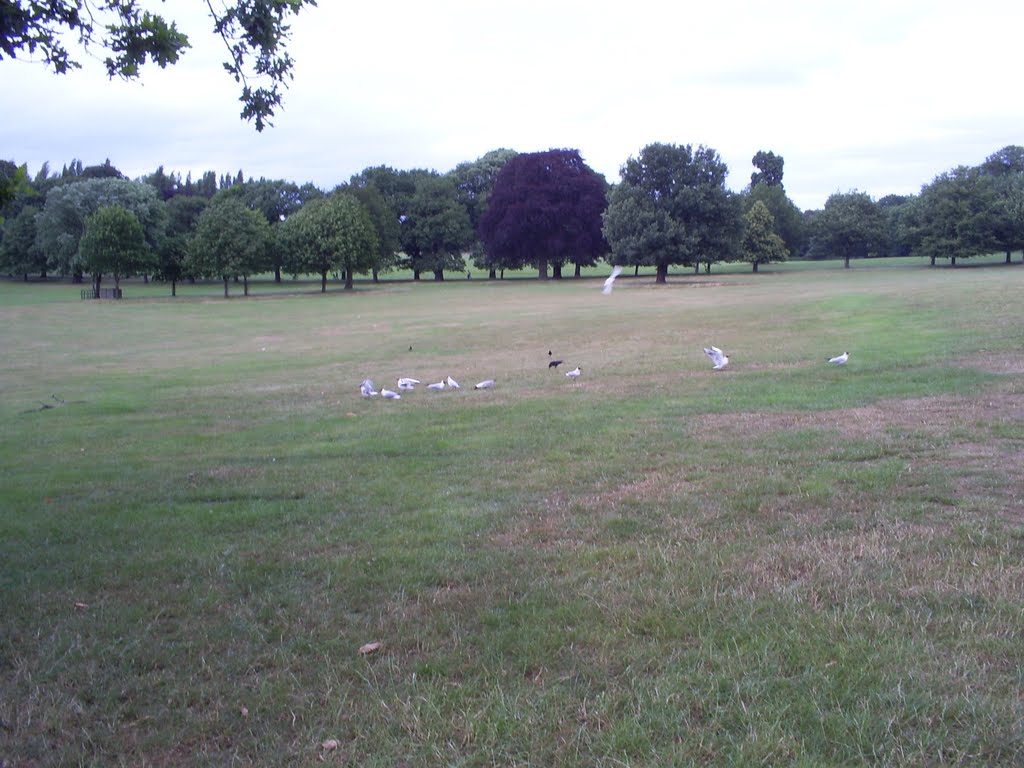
(877, 95)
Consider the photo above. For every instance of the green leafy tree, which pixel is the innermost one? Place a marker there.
(955, 216)
(256, 33)
(1007, 161)
(474, 182)
(850, 226)
(230, 241)
(769, 169)
(385, 223)
(330, 234)
(19, 254)
(114, 244)
(13, 181)
(397, 188)
(672, 207)
(438, 227)
(183, 213)
(60, 226)
(1008, 212)
(895, 209)
(276, 200)
(761, 244)
(789, 221)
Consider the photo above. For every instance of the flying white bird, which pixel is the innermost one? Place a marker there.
(390, 395)
(574, 373)
(453, 383)
(840, 359)
(366, 388)
(718, 358)
(485, 384)
(437, 386)
(611, 280)
(406, 383)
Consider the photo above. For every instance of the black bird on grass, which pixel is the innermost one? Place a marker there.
(553, 363)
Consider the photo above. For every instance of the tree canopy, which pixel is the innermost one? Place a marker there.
(60, 226)
(545, 209)
(230, 241)
(114, 243)
(761, 244)
(769, 169)
(331, 234)
(672, 207)
(256, 33)
(850, 226)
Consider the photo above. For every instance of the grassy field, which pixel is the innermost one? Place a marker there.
(784, 563)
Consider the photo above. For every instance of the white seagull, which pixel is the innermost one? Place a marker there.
(840, 359)
(574, 373)
(406, 383)
(453, 383)
(390, 395)
(611, 280)
(718, 358)
(485, 384)
(366, 388)
(438, 386)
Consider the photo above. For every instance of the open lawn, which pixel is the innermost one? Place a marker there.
(783, 563)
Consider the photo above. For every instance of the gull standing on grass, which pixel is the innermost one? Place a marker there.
(840, 359)
(611, 280)
(406, 383)
(366, 388)
(436, 386)
(390, 395)
(574, 373)
(485, 384)
(718, 358)
(453, 383)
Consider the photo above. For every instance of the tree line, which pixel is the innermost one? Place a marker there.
(503, 211)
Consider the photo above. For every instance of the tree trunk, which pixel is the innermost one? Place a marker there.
(556, 271)
(662, 274)
(952, 261)
(145, 279)
(933, 261)
(348, 279)
(636, 271)
(577, 272)
(503, 273)
(96, 280)
(323, 281)
(439, 275)
(375, 274)
(696, 267)
(117, 281)
(415, 274)
(542, 270)
(707, 267)
(245, 284)
(225, 286)
(492, 274)
(1008, 257)
(846, 262)
(26, 277)
(174, 287)
(755, 266)
(277, 273)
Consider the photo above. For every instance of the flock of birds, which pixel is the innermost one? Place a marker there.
(719, 360)
(407, 384)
